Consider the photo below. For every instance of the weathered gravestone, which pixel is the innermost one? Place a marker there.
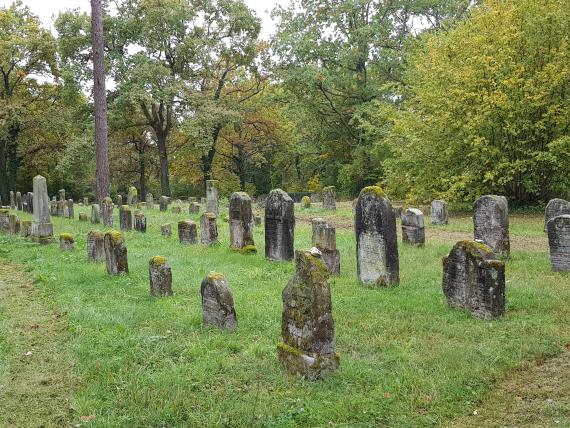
(279, 226)
(69, 209)
(316, 197)
(217, 302)
(187, 232)
(107, 209)
(491, 223)
(119, 200)
(4, 220)
(376, 240)
(42, 229)
(307, 325)
(25, 228)
(164, 201)
(116, 253)
(208, 229)
(53, 207)
(241, 223)
(212, 202)
(95, 214)
(176, 209)
(438, 212)
(14, 224)
(558, 229)
(324, 238)
(256, 219)
(329, 198)
(554, 208)
(306, 202)
(96, 246)
(166, 229)
(12, 200)
(61, 194)
(149, 201)
(125, 218)
(132, 197)
(82, 217)
(474, 280)
(160, 276)
(61, 208)
(140, 222)
(29, 203)
(194, 208)
(85, 201)
(413, 229)
(66, 242)
(19, 202)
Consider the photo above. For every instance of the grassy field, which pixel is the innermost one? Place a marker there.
(407, 360)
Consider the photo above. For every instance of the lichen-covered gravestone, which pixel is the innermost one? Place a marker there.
(164, 201)
(241, 223)
(208, 229)
(166, 229)
(376, 240)
(439, 212)
(66, 242)
(96, 246)
(42, 229)
(187, 232)
(306, 202)
(491, 223)
(95, 214)
(125, 218)
(116, 253)
(329, 198)
(217, 302)
(140, 222)
(307, 325)
(160, 276)
(558, 229)
(324, 238)
(132, 197)
(279, 226)
(413, 229)
(149, 201)
(107, 208)
(554, 208)
(474, 280)
(212, 202)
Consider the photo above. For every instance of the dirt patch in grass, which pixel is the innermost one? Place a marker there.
(36, 379)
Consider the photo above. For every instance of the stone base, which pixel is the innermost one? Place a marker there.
(307, 366)
(413, 235)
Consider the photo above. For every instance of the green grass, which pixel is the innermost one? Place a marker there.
(406, 358)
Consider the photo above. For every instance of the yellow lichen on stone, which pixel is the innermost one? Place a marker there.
(158, 261)
(210, 215)
(215, 276)
(68, 237)
(376, 190)
(125, 208)
(116, 236)
(470, 246)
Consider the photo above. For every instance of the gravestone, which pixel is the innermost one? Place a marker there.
(176, 209)
(140, 222)
(52, 207)
(324, 238)
(42, 229)
(149, 201)
(95, 214)
(61, 194)
(212, 203)
(329, 198)
(241, 223)
(19, 202)
(413, 229)
(491, 223)
(474, 280)
(12, 200)
(107, 209)
(316, 197)
(61, 208)
(4, 220)
(66, 242)
(279, 226)
(194, 208)
(208, 229)
(306, 202)
(438, 212)
(25, 228)
(30, 203)
(160, 276)
(96, 246)
(217, 302)
(558, 229)
(69, 209)
(307, 325)
(85, 201)
(164, 201)
(125, 218)
(376, 240)
(203, 201)
(187, 233)
(82, 217)
(256, 219)
(119, 200)
(554, 208)
(132, 197)
(116, 253)
(13, 224)
(166, 230)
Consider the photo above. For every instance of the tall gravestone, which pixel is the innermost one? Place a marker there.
(69, 209)
(107, 209)
(329, 198)
(30, 202)
(558, 229)
(212, 202)
(95, 214)
(324, 238)
(19, 202)
(160, 276)
(208, 229)
(96, 246)
(116, 253)
(149, 201)
(491, 223)
(217, 302)
(12, 200)
(376, 240)
(474, 280)
(279, 226)
(132, 197)
(241, 223)
(438, 212)
(125, 218)
(61, 194)
(42, 229)
(187, 232)
(554, 208)
(413, 229)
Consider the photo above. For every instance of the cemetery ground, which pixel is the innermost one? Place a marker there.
(105, 353)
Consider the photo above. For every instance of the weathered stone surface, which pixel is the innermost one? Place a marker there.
(164, 201)
(19, 202)
(397, 210)
(316, 197)
(491, 223)
(413, 228)
(558, 229)
(149, 201)
(305, 202)
(61, 208)
(241, 223)
(85, 201)
(96, 246)
(83, 217)
(116, 253)
(61, 194)
(324, 238)
(53, 207)
(166, 230)
(132, 196)
(4, 220)
(66, 242)
(30, 203)
(307, 325)
(438, 212)
(376, 240)
(217, 302)
(14, 224)
(160, 276)
(119, 200)
(25, 228)
(554, 208)
(140, 222)
(279, 226)
(69, 209)
(256, 219)
(12, 200)
(208, 229)
(212, 202)
(203, 201)
(329, 198)
(125, 218)
(95, 214)
(474, 280)
(194, 208)
(176, 209)
(187, 232)
(106, 210)
(42, 229)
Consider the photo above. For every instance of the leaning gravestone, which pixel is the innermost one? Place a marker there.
(241, 223)
(166, 230)
(95, 214)
(116, 253)
(324, 238)
(66, 242)
(279, 226)
(140, 222)
(307, 325)
(149, 201)
(474, 280)
(413, 230)
(438, 212)
(187, 233)
(554, 208)
(107, 208)
(42, 229)
(96, 246)
(164, 201)
(217, 302)
(212, 203)
(558, 229)
(491, 223)
(376, 240)
(19, 202)
(125, 218)
(132, 197)
(329, 198)
(160, 276)
(208, 229)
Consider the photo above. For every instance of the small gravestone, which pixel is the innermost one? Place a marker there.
(149, 201)
(187, 233)
(140, 222)
(132, 197)
(53, 207)
(212, 202)
(66, 242)
(316, 197)
(307, 325)
(413, 229)
(194, 208)
(376, 240)
(69, 209)
(96, 246)
(4, 220)
(42, 229)
(329, 198)
(107, 209)
(125, 218)
(306, 202)
(19, 201)
(160, 276)
(324, 238)
(279, 226)
(61, 208)
(474, 280)
(241, 223)
(491, 223)
(176, 209)
(85, 201)
(12, 200)
(116, 253)
(95, 214)
(30, 203)
(554, 208)
(438, 212)
(558, 229)
(25, 228)
(61, 194)
(166, 230)
(217, 302)
(164, 201)
(119, 200)
(256, 219)
(14, 224)
(82, 217)
(208, 229)
(203, 201)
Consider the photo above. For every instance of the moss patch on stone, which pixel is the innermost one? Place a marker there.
(474, 248)
(248, 249)
(116, 236)
(67, 237)
(125, 208)
(158, 261)
(215, 276)
(375, 190)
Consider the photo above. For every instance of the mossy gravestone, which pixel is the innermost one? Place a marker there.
(329, 198)
(413, 229)
(376, 240)
(491, 223)
(554, 208)
(25, 228)
(140, 222)
(149, 201)
(324, 239)
(187, 232)
(166, 230)
(558, 229)
(42, 229)
(306, 202)
(132, 197)
(474, 280)
(125, 218)
(116, 253)
(241, 223)
(66, 242)
(208, 229)
(438, 212)
(160, 276)
(307, 325)
(107, 208)
(212, 201)
(96, 246)
(279, 226)
(217, 302)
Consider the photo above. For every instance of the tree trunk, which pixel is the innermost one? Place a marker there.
(4, 171)
(164, 173)
(208, 158)
(142, 181)
(102, 186)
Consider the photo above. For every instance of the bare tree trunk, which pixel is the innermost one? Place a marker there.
(164, 174)
(102, 186)
(4, 171)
